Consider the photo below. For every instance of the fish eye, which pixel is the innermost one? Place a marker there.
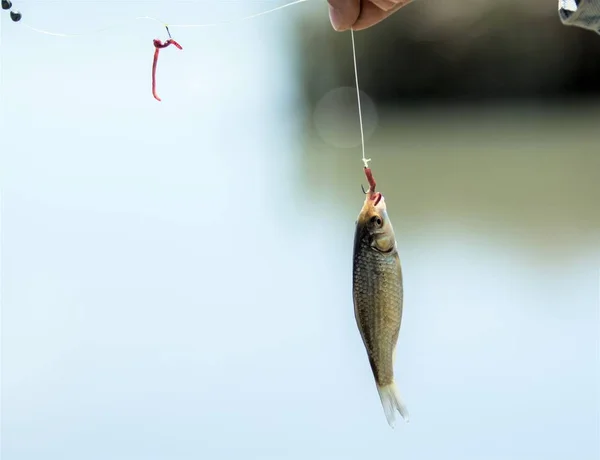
(376, 220)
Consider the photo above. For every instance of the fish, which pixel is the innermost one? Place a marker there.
(378, 293)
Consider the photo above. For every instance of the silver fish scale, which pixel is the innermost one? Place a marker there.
(378, 295)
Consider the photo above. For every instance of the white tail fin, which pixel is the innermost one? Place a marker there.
(391, 401)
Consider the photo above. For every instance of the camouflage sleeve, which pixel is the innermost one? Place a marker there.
(580, 13)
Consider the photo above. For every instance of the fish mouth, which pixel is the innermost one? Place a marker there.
(376, 201)
(373, 197)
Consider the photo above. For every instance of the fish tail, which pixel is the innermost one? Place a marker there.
(391, 401)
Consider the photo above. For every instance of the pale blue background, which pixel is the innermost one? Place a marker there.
(171, 291)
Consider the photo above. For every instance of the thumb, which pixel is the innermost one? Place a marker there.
(343, 13)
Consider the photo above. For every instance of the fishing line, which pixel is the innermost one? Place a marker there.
(252, 16)
(360, 120)
(150, 18)
(90, 32)
(158, 45)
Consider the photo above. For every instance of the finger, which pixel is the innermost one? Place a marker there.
(343, 13)
(385, 5)
(371, 14)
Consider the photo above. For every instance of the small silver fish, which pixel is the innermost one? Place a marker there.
(378, 295)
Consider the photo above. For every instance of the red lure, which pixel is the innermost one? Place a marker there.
(158, 45)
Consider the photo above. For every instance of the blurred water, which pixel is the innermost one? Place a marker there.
(176, 277)
(497, 220)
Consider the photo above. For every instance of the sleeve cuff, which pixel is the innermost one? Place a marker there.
(580, 13)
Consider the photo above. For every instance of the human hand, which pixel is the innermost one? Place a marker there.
(361, 14)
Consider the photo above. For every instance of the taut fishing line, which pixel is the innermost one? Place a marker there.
(365, 160)
(171, 26)
(360, 120)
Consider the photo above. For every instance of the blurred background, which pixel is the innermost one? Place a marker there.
(176, 276)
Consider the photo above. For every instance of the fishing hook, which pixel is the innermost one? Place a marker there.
(376, 197)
